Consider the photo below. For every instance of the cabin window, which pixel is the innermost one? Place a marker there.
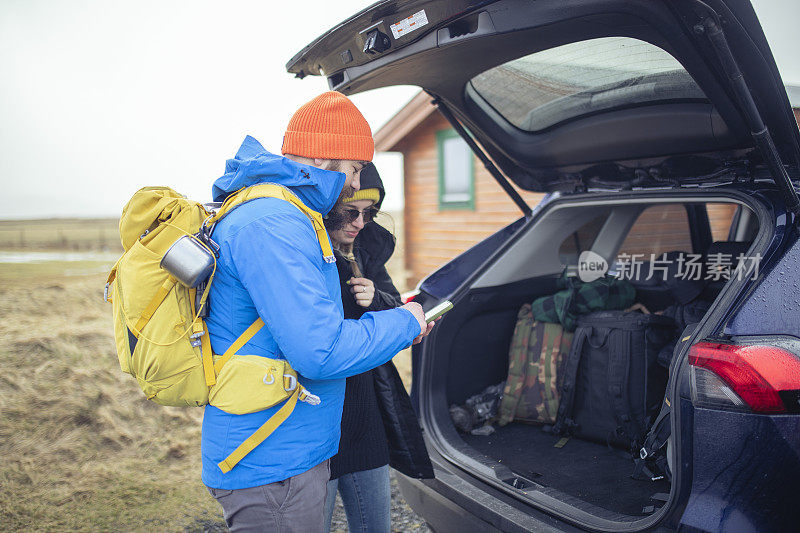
(456, 175)
(722, 218)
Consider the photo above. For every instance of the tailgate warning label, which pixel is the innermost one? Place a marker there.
(407, 25)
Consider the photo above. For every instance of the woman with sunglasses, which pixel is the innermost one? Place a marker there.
(379, 426)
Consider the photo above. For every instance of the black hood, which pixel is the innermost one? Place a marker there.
(374, 243)
(370, 179)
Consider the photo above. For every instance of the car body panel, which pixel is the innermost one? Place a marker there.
(750, 465)
(773, 307)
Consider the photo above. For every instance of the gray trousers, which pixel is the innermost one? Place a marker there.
(293, 505)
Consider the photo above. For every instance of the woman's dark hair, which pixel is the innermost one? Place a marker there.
(336, 219)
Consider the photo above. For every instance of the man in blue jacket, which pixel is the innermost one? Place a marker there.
(271, 266)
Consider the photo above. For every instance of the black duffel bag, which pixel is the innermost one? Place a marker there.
(612, 385)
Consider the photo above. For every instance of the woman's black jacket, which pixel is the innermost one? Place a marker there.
(407, 453)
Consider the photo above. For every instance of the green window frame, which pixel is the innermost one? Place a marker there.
(461, 198)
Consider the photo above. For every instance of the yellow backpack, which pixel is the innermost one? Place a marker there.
(161, 337)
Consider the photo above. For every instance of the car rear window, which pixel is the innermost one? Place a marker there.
(542, 89)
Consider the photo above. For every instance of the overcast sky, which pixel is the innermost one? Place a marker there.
(99, 98)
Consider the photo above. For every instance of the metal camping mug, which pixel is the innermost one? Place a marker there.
(189, 261)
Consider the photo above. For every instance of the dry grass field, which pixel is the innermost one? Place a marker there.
(82, 449)
(61, 234)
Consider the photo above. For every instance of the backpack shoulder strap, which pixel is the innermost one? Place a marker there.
(618, 368)
(653, 448)
(273, 190)
(518, 364)
(650, 462)
(240, 197)
(564, 422)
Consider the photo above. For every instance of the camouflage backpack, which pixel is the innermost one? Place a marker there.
(534, 360)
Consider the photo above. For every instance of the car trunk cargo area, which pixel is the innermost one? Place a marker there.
(595, 474)
(591, 476)
(470, 349)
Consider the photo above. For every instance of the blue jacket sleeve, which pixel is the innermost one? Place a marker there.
(278, 260)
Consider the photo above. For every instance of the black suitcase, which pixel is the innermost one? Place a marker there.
(612, 384)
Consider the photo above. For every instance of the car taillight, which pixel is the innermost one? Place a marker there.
(409, 296)
(765, 379)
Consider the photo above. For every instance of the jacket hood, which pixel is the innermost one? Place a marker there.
(318, 189)
(374, 243)
(370, 179)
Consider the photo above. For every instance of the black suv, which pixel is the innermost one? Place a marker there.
(631, 114)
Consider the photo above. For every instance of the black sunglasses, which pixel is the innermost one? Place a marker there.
(351, 214)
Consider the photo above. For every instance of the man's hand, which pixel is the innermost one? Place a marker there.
(419, 314)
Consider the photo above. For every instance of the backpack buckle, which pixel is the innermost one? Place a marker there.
(205, 236)
(292, 383)
(311, 399)
(269, 375)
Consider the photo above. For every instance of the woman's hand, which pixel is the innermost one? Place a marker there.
(363, 290)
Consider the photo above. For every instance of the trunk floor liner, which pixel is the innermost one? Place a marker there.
(586, 470)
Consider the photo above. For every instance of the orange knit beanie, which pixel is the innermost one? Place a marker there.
(329, 127)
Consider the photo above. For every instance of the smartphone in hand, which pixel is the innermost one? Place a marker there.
(438, 310)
